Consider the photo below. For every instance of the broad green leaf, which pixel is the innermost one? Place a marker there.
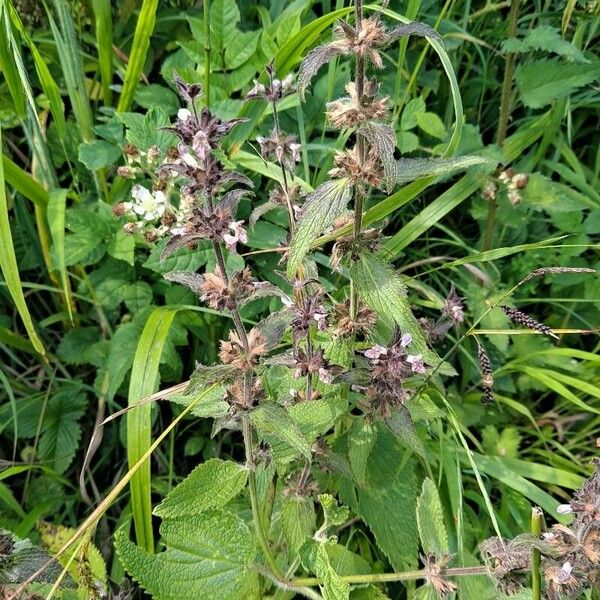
(401, 424)
(144, 382)
(272, 419)
(314, 558)
(430, 123)
(210, 485)
(137, 56)
(542, 81)
(333, 514)
(298, 522)
(430, 520)
(381, 288)
(411, 113)
(547, 39)
(98, 154)
(387, 504)
(8, 265)
(361, 440)
(319, 212)
(345, 562)
(137, 295)
(207, 557)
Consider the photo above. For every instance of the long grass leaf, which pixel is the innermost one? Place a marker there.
(104, 39)
(55, 213)
(139, 50)
(9, 69)
(144, 380)
(24, 183)
(10, 271)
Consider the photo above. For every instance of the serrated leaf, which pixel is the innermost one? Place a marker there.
(430, 520)
(99, 154)
(211, 405)
(430, 123)
(408, 119)
(361, 440)
(298, 522)
(319, 212)
(314, 558)
(333, 513)
(387, 504)
(273, 420)
(380, 287)
(207, 557)
(409, 169)
(546, 38)
(415, 28)
(210, 485)
(542, 81)
(401, 424)
(312, 62)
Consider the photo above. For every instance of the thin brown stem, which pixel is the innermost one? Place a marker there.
(286, 187)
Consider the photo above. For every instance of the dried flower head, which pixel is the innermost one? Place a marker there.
(284, 147)
(346, 326)
(273, 91)
(348, 163)
(435, 567)
(487, 379)
(351, 246)
(561, 581)
(508, 562)
(352, 111)
(234, 351)
(221, 294)
(242, 399)
(307, 309)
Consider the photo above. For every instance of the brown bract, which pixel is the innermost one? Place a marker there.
(346, 326)
(220, 295)
(352, 111)
(348, 163)
(233, 351)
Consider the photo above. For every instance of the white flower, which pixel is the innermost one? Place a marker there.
(565, 572)
(149, 205)
(564, 509)
(405, 340)
(183, 114)
(416, 363)
(238, 234)
(375, 352)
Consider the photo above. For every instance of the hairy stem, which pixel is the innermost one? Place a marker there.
(503, 117)
(404, 576)
(536, 578)
(286, 187)
(207, 52)
(258, 523)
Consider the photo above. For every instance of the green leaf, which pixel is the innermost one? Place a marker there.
(137, 295)
(430, 123)
(411, 112)
(144, 382)
(207, 557)
(122, 247)
(333, 514)
(224, 17)
(314, 558)
(137, 56)
(241, 48)
(319, 212)
(272, 419)
(547, 39)
(61, 430)
(104, 41)
(99, 154)
(543, 81)
(77, 346)
(388, 503)
(361, 440)
(430, 520)
(8, 266)
(298, 522)
(401, 424)
(157, 96)
(210, 485)
(381, 288)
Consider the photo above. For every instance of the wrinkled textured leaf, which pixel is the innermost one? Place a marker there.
(210, 485)
(190, 280)
(298, 522)
(207, 557)
(430, 520)
(546, 38)
(273, 327)
(319, 212)
(402, 426)
(381, 288)
(333, 513)
(361, 440)
(409, 169)
(542, 81)
(382, 138)
(313, 61)
(273, 420)
(314, 558)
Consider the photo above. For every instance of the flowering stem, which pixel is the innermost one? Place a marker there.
(207, 52)
(286, 188)
(536, 577)
(404, 576)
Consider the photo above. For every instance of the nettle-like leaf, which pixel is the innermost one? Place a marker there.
(273, 327)
(314, 558)
(208, 556)
(547, 39)
(271, 419)
(361, 440)
(382, 138)
(333, 514)
(210, 485)
(403, 427)
(381, 288)
(189, 279)
(298, 522)
(319, 212)
(313, 61)
(387, 503)
(543, 81)
(430, 520)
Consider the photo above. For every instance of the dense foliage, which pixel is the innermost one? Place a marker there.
(299, 299)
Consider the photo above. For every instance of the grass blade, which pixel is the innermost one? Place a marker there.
(24, 183)
(144, 380)
(137, 56)
(8, 264)
(104, 38)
